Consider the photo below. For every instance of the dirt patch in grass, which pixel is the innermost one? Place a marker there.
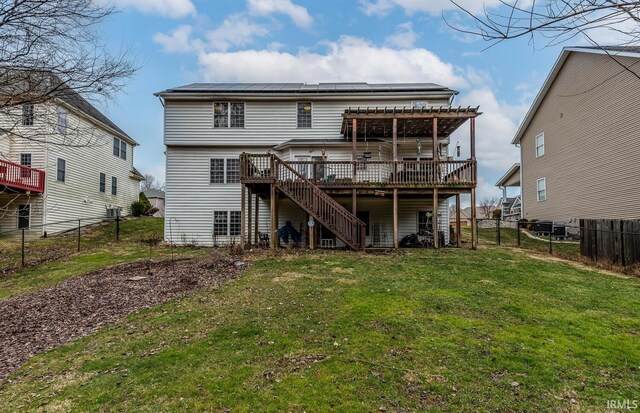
(46, 319)
(573, 263)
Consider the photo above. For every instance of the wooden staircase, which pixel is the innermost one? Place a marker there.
(295, 186)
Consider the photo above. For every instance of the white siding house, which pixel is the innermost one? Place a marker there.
(60, 164)
(208, 126)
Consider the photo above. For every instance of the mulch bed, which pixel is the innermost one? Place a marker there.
(46, 319)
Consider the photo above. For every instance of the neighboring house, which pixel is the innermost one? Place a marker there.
(511, 207)
(156, 198)
(465, 217)
(355, 160)
(579, 141)
(62, 161)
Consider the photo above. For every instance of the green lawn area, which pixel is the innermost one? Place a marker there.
(450, 330)
(509, 237)
(99, 249)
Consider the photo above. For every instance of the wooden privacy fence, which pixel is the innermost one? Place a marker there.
(613, 240)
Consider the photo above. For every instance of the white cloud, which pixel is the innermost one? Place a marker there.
(177, 41)
(236, 30)
(347, 59)
(166, 8)
(404, 38)
(434, 7)
(298, 14)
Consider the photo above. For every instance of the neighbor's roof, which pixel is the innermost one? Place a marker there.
(304, 88)
(616, 51)
(513, 172)
(154, 193)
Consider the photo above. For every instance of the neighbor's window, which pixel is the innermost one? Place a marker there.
(540, 145)
(62, 120)
(24, 216)
(542, 189)
(237, 115)
(25, 160)
(234, 223)
(61, 170)
(233, 171)
(425, 222)
(28, 111)
(304, 114)
(116, 147)
(103, 182)
(123, 149)
(114, 185)
(220, 223)
(227, 115)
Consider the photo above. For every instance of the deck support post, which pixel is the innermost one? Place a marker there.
(354, 157)
(256, 235)
(458, 224)
(394, 150)
(474, 222)
(243, 214)
(436, 233)
(249, 217)
(274, 229)
(395, 218)
(436, 153)
(472, 133)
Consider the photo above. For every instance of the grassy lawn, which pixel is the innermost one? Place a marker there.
(509, 237)
(98, 250)
(453, 330)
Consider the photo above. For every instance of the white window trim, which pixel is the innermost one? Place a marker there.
(65, 169)
(297, 123)
(228, 230)
(244, 124)
(540, 135)
(544, 180)
(224, 170)
(62, 114)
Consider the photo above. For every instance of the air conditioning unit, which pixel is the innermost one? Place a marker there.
(113, 212)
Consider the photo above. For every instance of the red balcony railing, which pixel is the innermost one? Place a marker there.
(13, 175)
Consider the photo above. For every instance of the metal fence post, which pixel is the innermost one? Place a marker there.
(78, 235)
(118, 226)
(23, 247)
(518, 232)
(498, 231)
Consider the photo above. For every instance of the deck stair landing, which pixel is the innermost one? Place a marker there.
(268, 168)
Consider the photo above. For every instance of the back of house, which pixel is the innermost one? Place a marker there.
(579, 142)
(339, 138)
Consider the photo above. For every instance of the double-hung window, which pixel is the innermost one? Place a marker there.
(114, 185)
(542, 189)
(28, 114)
(103, 182)
(539, 145)
(61, 170)
(25, 160)
(228, 114)
(304, 114)
(119, 148)
(224, 171)
(226, 223)
(425, 222)
(62, 120)
(24, 216)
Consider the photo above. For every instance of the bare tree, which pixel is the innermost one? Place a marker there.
(150, 182)
(52, 57)
(558, 21)
(486, 207)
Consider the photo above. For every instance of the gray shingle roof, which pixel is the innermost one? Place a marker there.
(154, 193)
(305, 88)
(628, 49)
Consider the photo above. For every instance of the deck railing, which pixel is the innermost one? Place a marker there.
(426, 173)
(13, 175)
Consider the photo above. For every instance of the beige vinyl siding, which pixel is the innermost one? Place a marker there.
(266, 123)
(589, 119)
(9, 214)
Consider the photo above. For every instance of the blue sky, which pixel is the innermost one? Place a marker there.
(176, 42)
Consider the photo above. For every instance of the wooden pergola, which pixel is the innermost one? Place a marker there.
(427, 122)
